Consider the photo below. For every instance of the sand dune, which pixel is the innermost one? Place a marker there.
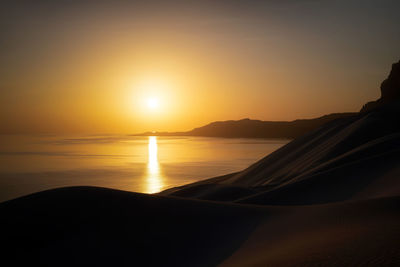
(343, 234)
(329, 198)
(339, 161)
(103, 227)
(96, 226)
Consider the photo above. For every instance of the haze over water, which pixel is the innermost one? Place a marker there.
(141, 164)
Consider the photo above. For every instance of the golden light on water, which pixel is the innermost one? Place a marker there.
(153, 177)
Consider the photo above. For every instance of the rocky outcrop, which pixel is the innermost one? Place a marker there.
(390, 90)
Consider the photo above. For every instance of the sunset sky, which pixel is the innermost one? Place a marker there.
(129, 67)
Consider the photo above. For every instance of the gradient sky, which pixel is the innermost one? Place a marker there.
(89, 66)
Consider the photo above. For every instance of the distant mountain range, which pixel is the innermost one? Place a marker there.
(247, 128)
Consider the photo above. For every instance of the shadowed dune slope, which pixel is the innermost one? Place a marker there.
(365, 233)
(87, 226)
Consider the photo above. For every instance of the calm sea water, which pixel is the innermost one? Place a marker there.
(141, 164)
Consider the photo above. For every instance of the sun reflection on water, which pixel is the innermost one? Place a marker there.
(153, 178)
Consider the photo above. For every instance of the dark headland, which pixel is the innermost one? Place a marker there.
(248, 128)
(331, 197)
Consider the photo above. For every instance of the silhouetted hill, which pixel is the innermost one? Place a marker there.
(248, 128)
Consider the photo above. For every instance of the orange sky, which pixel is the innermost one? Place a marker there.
(90, 69)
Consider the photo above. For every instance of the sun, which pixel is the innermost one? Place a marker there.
(151, 97)
(152, 103)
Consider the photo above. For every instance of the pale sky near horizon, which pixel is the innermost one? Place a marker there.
(134, 66)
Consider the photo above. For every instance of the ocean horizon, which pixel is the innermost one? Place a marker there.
(31, 163)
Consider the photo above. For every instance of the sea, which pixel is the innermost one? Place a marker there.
(146, 164)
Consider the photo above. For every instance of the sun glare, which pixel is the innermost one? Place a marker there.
(152, 103)
(152, 99)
